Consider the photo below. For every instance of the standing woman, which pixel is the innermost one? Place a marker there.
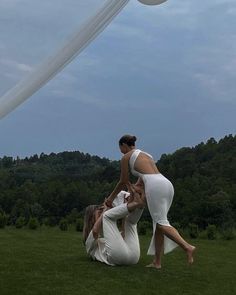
(159, 193)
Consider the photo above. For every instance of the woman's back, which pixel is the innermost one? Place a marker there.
(142, 163)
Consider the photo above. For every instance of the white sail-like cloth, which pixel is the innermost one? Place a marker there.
(50, 67)
(102, 14)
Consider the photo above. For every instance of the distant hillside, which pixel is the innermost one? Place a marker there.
(205, 182)
(51, 186)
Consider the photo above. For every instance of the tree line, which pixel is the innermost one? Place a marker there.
(53, 187)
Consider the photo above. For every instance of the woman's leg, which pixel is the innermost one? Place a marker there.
(159, 246)
(160, 192)
(131, 235)
(116, 247)
(173, 234)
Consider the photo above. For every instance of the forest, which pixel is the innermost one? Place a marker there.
(59, 186)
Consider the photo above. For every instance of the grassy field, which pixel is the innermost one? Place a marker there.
(48, 261)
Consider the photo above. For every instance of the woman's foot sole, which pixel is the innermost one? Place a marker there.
(153, 265)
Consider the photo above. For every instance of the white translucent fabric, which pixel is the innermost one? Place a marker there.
(36, 41)
(86, 17)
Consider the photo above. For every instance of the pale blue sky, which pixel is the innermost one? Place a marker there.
(164, 73)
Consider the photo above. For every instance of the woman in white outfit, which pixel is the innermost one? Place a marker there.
(114, 248)
(159, 194)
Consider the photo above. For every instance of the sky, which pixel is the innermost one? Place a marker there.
(165, 74)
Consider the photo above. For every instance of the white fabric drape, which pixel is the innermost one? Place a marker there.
(50, 67)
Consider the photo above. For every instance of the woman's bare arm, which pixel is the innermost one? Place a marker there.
(124, 180)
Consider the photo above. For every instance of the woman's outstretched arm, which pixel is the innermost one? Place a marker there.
(123, 182)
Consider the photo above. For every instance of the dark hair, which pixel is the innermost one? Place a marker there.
(128, 139)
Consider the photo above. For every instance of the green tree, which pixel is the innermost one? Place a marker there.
(33, 223)
(20, 222)
(63, 225)
(3, 219)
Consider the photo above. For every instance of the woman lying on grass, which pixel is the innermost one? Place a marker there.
(114, 248)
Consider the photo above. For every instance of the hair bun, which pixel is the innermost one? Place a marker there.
(128, 139)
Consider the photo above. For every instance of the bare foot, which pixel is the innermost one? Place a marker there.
(137, 188)
(143, 198)
(190, 252)
(138, 199)
(154, 265)
(130, 198)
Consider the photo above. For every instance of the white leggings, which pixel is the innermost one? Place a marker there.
(121, 251)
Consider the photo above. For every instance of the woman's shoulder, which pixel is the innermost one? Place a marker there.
(129, 154)
(147, 154)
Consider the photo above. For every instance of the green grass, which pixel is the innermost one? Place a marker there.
(48, 261)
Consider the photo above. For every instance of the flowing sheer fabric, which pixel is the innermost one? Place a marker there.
(103, 11)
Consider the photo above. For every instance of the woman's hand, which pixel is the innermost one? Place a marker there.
(108, 203)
